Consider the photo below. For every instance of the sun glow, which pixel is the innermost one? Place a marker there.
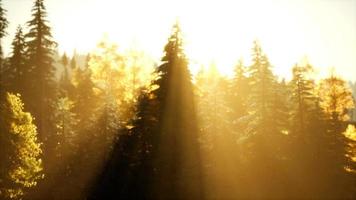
(215, 31)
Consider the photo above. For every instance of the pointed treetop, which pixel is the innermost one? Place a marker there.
(73, 63)
(64, 59)
(3, 21)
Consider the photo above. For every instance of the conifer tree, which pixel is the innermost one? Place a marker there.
(302, 96)
(40, 51)
(73, 63)
(261, 96)
(3, 25)
(21, 165)
(65, 125)
(336, 100)
(239, 90)
(159, 157)
(17, 71)
(262, 141)
(66, 87)
(177, 158)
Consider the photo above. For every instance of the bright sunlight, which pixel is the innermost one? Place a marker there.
(177, 99)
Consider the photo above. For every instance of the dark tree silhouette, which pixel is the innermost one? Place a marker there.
(40, 61)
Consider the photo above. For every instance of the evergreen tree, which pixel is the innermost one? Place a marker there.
(73, 63)
(65, 125)
(307, 131)
(21, 165)
(336, 100)
(159, 157)
(40, 51)
(217, 134)
(176, 151)
(261, 97)
(302, 96)
(239, 90)
(66, 87)
(3, 25)
(17, 71)
(262, 142)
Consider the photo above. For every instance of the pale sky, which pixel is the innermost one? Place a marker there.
(222, 31)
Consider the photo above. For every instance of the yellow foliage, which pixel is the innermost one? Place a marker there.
(336, 98)
(25, 165)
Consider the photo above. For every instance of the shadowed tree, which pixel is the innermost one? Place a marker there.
(336, 100)
(66, 87)
(160, 156)
(176, 156)
(3, 25)
(17, 71)
(40, 61)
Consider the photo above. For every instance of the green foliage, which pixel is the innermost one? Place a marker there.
(40, 51)
(21, 166)
(17, 71)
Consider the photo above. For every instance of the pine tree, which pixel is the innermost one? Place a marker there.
(65, 125)
(17, 71)
(262, 141)
(159, 157)
(66, 87)
(3, 25)
(40, 51)
(177, 157)
(239, 90)
(21, 165)
(261, 97)
(336, 100)
(73, 63)
(302, 96)
(217, 133)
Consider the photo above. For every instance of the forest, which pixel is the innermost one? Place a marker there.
(116, 125)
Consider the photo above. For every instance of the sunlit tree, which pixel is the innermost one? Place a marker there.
(213, 109)
(108, 75)
(21, 164)
(302, 98)
(65, 125)
(261, 84)
(239, 90)
(336, 100)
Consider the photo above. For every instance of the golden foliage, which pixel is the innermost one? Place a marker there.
(336, 98)
(25, 166)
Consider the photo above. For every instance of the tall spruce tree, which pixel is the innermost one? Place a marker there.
(176, 157)
(262, 142)
(40, 60)
(306, 134)
(336, 100)
(17, 71)
(160, 156)
(261, 98)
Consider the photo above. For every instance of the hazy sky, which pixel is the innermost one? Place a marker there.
(218, 30)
